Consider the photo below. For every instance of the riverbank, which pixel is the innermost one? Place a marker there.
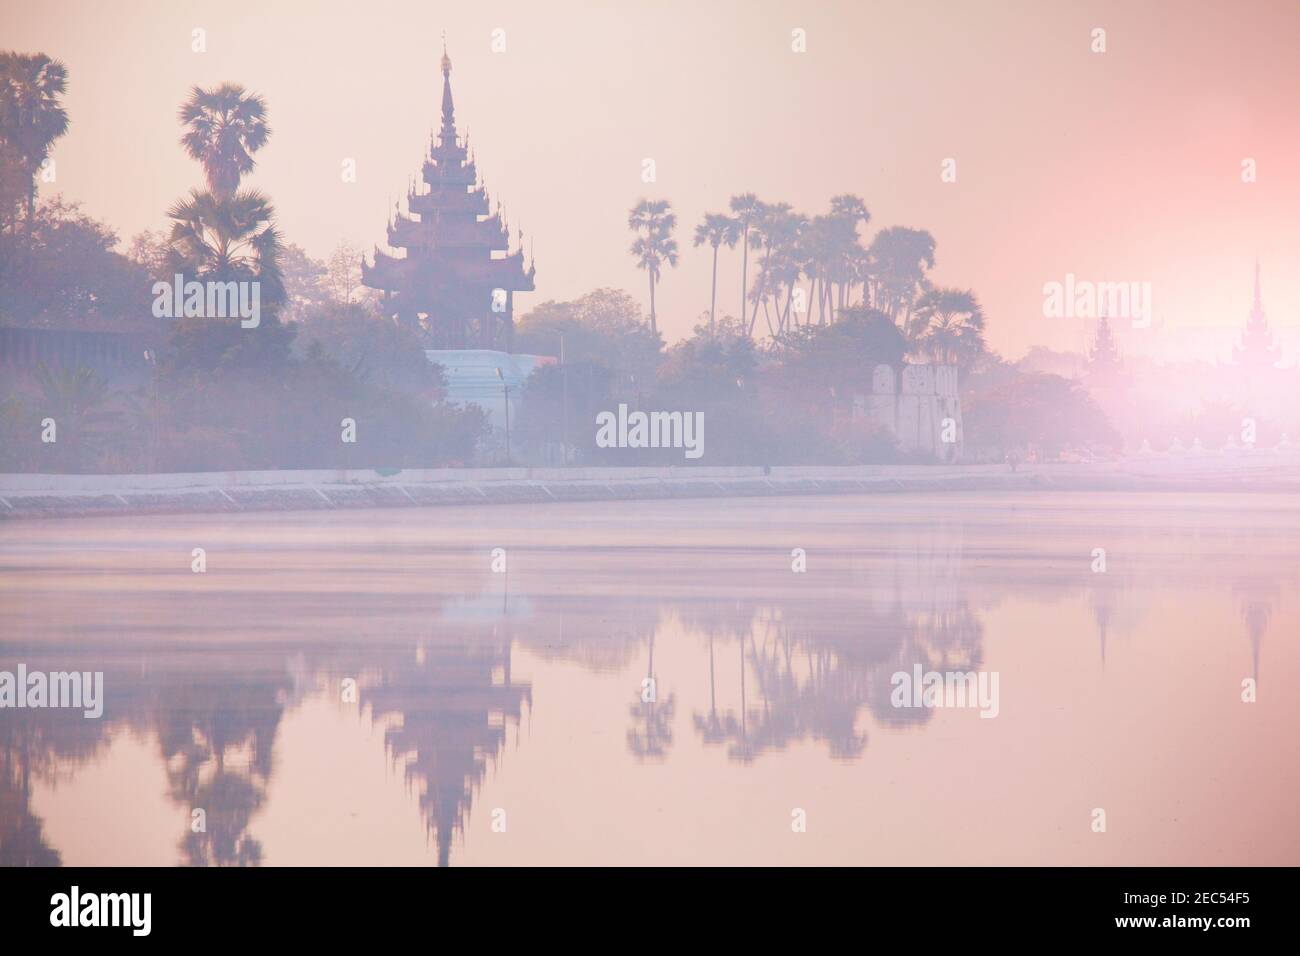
(52, 496)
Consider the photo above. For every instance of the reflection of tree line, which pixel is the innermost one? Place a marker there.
(797, 668)
(802, 678)
(34, 746)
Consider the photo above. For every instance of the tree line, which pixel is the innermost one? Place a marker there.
(810, 270)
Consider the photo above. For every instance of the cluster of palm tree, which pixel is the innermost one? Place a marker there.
(812, 270)
(225, 232)
(32, 117)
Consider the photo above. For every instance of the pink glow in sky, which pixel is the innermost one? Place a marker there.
(1118, 166)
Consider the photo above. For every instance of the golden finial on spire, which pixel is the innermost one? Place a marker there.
(446, 60)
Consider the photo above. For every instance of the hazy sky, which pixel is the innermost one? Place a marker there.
(1124, 165)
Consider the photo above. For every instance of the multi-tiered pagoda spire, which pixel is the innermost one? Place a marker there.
(458, 276)
(1257, 349)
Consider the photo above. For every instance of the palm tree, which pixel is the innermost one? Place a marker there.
(813, 252)
(899, 258)
(653, 221)
(228, 238)
(778, 228)
(846, 255)
(717, 229)
(948, 326)
(785, 263)
(80, 403)
(226, 126)
(747, 208)
(32, 116)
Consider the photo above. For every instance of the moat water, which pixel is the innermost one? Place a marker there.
(363, 688)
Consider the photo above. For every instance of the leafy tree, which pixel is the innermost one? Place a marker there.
(80, 403)
(559, 406)
(382, 352)
(14, 183)
(305, 287)
(1040, 413)
(64, 272)
(19, 434)
(343, 275)
(603, 326)
(712, 364)
(151, 251)
(847, 350)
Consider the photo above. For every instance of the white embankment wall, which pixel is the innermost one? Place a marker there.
(34, 495)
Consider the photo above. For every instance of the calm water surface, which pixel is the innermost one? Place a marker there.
(487, 701)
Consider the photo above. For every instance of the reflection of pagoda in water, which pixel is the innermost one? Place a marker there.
(1255, 598)
(454, 712)
(450, 281)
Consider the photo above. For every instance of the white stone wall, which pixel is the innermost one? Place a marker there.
(913, 402)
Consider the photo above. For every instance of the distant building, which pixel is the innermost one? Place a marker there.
(450, 282)
(1257, 349)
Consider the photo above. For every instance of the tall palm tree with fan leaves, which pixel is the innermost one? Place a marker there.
(226, 238)
(226, 126)
(947, 326)
(226, 233)
(747, 209)
(653, 221)
(717, 230)
(32, 116)
(899, 258)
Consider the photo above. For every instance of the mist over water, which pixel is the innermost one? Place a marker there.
(517, 697)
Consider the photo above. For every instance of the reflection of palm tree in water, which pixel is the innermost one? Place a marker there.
(710, 725)
(22, 834)
(37, 745)
(814, 675)
(216, 735)
(651, 733)
(730, 725)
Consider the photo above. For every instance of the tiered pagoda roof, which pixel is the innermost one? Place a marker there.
(457, 276)
(1257, 349)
